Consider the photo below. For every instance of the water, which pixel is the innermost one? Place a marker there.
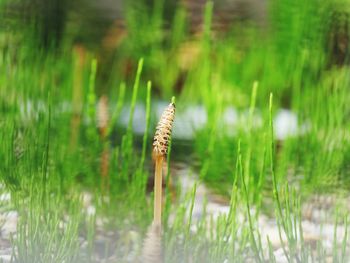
(194, 118)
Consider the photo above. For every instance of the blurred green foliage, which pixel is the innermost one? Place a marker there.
(59, 58)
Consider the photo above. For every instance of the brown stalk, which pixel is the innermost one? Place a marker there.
(157, 212)
(103, 118)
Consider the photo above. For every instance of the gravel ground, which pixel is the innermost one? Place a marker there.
(318, 215)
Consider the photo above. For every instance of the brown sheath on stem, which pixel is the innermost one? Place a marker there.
(152, 246)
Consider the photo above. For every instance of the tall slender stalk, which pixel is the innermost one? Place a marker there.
(103, 120)
(145, 136)
(157, 213)
(279, 213)
(255, 247)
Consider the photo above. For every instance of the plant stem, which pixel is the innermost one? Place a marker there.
(145, 136)
(158, 191)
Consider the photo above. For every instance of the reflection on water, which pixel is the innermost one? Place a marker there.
(194, 118)
(188, 121)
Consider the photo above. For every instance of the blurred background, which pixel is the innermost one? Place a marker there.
(210, 55)
(166, 33)
(219, 58)
(262, 92)
(247, 40)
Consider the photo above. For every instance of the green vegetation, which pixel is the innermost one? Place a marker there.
(78, 179)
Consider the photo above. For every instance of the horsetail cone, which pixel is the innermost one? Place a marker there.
(163, 131)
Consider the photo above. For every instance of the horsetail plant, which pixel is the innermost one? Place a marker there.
(152, 249)
(160, 149)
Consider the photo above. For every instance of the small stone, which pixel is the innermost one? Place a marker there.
(5, 258)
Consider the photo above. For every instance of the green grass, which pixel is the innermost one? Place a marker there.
(52, 151)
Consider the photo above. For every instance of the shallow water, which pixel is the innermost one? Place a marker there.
(194, 118)
(189, 120)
